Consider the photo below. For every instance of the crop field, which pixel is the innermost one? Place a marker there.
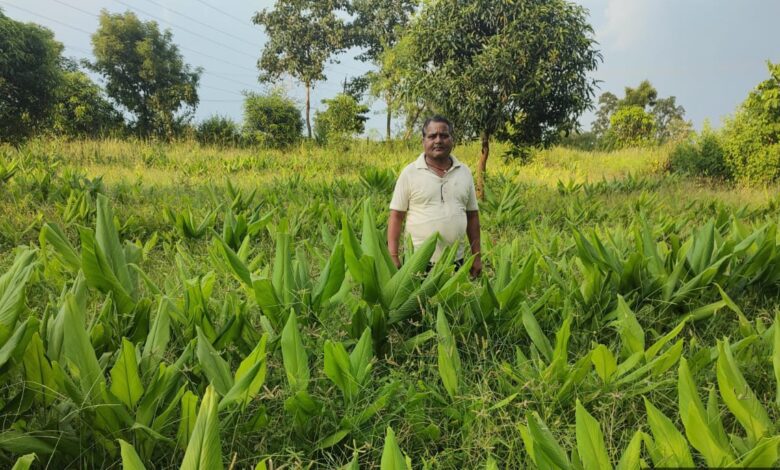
(178, 306)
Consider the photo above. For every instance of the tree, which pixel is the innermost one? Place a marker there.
(643, 96)
(302, 35)
(218, 130)
(608, 104)
(377, 27)
(344, 117)
(82, 110)
(145, 72)
(631, 126)
(517, 71)
(272, 120)
(30, 75)
(670, 121)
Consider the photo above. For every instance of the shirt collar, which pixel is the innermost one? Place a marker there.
(421, 165)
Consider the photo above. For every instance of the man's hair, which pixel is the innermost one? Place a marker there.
(436, 118)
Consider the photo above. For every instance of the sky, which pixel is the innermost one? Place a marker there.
(709, 54)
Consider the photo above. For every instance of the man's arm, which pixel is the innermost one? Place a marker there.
(394, 225)
(472, 232)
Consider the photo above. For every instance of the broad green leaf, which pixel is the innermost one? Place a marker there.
(238, 391)
(125, 381)
(392, 457)
(738, 396)
(52, 234)
(130, 458)
(632, 454)
(448, 358)
(12, 288)
(403, 282)
(158, 337)
(204, 451)
(694, 419)
(653, 350)
(331, 277)
(776, 356)
(604, 362)
(215, 368)
(590, 441)
(535, 333)
(670, 443)
(360, 357)
(631, 333)
(296, 363)
(544, 444)
(77, 349)
(763, 455)
(337, 368)
(257, 356)
(37, 370)
(15, 346)
(189, 409)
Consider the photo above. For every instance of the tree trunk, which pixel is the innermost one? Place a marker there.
(413, 123)
(482, 165)
(308, 106)
(389, 113)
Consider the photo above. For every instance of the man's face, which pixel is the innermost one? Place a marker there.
(437, 142)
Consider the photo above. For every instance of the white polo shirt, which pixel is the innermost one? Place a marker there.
(435, 204)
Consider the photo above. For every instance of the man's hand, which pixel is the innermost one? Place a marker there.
(396, 260)
(476, 267)
(394, 225)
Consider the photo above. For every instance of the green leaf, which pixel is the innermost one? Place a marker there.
(257, 356)
(590, 441)
(331, 277)
(631, 456)
(77, 349)
(204, 451)
(738, 396)
(130, 458)
(403, 282)
(337, 369)
(189, 407)
(392, 457)
(631, 333)
(535, 333)
(53, 235)
(24, 462)
(12, 287)
(670, 443)
(448, 358)
(360, 357)
(776, 356)
(604, 362)
(157, 340)
(546, 447)
(125, 381)
(37, 370)
(296, 363)
(694, 420)
(763, 455)
(215, 368)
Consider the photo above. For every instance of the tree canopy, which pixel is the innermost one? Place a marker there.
(486, 64)
(30, 76)
(145, 72)
(302, 35)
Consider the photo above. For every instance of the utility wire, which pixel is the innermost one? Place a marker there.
(46, 18)
(243, 22)
(202, 23)
(200, 35)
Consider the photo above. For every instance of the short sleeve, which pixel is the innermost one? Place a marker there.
(400, 201)
(472, 205)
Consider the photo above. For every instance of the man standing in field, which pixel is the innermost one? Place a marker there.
(437, 192)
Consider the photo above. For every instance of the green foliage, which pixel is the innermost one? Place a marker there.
(343, 118)
(30, 77)
(631, 126)
(302, 35)
(751, 139)
(82, 110)
(218, 130)
(145, 73)
(701, 155)
(271, 120)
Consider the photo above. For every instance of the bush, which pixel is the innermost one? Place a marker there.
(751, 139)
(272, 120)
(702, 155)
(630, 126)
(343, 118)
(82, 109)
(218, 130)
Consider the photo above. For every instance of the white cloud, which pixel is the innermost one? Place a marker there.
(626, 23)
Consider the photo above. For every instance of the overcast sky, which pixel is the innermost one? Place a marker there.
(707, 53)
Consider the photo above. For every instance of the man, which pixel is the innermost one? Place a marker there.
(437, 192)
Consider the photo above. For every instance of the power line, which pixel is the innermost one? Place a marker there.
(223, 12)
(46, 18)
(200, 22)
(184, 29)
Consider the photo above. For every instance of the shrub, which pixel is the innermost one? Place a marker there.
(82, 109)
(631, 126)
(272, 120)
(218, 130)
(701, 155)
(751, 139)
(343, 118)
